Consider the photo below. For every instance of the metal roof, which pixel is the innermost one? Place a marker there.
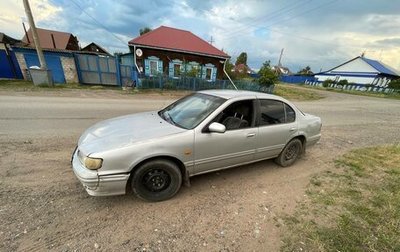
(381, 67)
(167, 38)
(61, 39)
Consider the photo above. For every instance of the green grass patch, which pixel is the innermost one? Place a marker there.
(296, 94)
(354, 92)
(355, 207)
(22, 85)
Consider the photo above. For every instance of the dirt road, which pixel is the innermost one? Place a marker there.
(44, 207)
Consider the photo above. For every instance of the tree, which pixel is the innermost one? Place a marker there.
(267, 76)
(305, 71)
(241, 59)
(144, 30)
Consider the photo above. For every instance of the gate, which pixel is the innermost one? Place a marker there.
(95, 69)
(9, 67)
(53, 63)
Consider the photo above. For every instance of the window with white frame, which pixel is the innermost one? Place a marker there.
(209, 72)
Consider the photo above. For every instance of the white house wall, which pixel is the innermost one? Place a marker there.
(350, 79)
(358, 65)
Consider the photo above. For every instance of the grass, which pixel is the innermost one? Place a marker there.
(296, 94)
(26, 86)
(356, 207)
(21, 85)
(354, 92)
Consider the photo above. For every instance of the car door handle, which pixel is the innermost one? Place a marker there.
(251, 134)
(293, 129)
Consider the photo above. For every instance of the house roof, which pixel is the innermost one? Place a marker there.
(8, 40)
(173, 39)
(101, 49)
(380, 67)
(60, 38)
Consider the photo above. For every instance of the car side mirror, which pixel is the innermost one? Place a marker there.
(217, 127)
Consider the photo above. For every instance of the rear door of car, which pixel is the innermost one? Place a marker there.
(277, 124)
(235, 146)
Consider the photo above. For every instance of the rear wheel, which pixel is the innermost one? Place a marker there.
(157, 180)
(290, 153)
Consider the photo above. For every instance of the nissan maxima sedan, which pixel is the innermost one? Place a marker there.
(154, 153)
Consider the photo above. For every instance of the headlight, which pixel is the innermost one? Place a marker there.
(93, 163)
(88, 162)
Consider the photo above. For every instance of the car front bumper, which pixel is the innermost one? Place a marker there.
(99, 185)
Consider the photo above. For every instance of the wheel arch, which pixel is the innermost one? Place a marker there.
(179, 163)
(303, 140)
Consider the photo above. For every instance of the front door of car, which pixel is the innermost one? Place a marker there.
(233, 147)
(277, 125)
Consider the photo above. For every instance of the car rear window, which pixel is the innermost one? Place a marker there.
(275, 112)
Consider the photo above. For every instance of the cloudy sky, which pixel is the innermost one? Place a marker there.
(318, 33)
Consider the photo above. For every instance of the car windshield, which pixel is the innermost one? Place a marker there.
(191, 110)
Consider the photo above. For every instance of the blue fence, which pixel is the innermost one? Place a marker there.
(9, 67)
(192, 83)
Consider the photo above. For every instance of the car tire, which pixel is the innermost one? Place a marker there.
(290, 153)
(157, 180)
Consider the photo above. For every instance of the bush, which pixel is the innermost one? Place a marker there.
(394, 84)
(327, 82)
(267, 76)
(343, 82)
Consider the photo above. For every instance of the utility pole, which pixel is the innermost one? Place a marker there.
(280, 58)
(35, 36)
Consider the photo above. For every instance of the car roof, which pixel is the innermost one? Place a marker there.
(230, 94)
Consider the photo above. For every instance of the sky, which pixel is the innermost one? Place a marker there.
(317, 33)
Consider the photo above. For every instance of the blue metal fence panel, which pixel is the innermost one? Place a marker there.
(9, 67)
(53, 63)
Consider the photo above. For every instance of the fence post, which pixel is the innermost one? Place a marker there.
(118, 70)
(78, 68)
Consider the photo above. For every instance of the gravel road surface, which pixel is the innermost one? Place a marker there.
(44, 207)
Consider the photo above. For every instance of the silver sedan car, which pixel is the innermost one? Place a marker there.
(154, 153)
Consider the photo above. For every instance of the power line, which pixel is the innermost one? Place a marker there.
(233, 35)
(269, 16)
(99, 23)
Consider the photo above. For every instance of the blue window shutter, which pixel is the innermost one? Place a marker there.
(147, 67)
(214, 75)
(160, 66)
(171, 69)
(203, 72)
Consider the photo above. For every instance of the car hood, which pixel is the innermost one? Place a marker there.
(125, 130)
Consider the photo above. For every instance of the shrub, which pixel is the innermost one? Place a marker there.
(394, 84)
(327, 82)
(343, 82)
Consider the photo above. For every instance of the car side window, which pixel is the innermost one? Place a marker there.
(238, 115)
(290, 114)
(275, 112)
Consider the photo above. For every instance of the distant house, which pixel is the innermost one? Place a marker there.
(93, 47)
(360, 70)
(176, 52)
(53, 40)
(9, 67)
(281, 70)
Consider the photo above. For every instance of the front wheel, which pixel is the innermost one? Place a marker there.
(157, 180)
(290, 153)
